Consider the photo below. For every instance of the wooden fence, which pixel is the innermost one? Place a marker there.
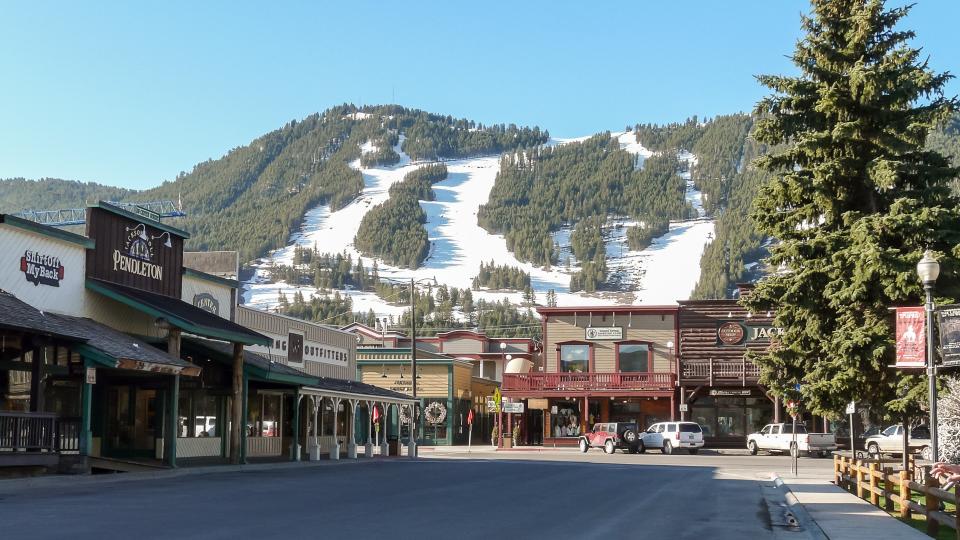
(874, 479)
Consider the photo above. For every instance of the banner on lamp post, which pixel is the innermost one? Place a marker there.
(911, 338)
(948, 319)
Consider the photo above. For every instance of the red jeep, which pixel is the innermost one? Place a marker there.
(611, 436)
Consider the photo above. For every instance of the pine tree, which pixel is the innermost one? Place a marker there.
(854, 200)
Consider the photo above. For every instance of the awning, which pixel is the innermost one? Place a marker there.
(256, 366)
(187, 317)
(342, 388)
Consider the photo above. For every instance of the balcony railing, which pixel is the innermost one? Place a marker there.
(712, 371)
(543, 382)
(38, 432)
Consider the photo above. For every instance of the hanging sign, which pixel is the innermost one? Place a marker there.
(91, 375)
(911, 338)
(207, 302)
(948, 319)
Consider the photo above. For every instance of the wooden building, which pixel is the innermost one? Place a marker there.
(719, 385)
(601, 364)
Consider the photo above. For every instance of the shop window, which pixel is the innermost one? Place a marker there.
(199, 414)
(634, 357)
(263, 416)
(565, 422)
(574, 358)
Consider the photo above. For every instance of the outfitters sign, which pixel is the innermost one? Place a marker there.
(41, 269)
(735, 333)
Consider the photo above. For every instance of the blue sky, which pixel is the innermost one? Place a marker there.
(129, 95)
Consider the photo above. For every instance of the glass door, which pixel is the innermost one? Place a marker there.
(132, 422)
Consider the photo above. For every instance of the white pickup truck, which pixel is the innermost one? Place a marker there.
(780, 438)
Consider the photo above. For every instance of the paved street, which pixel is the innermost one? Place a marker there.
(444, 495)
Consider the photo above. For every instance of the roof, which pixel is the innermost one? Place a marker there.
(258, 366)
(140, 219)
(18, 315)
(116, 349)
(607, 309)
(218, 263)
(47, 230)
(232, 283)
(356, 387)
(179, 313)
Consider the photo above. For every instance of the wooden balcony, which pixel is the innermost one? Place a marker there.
(533, 384)
(719, 373)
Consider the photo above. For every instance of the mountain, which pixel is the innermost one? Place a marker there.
(327, 206)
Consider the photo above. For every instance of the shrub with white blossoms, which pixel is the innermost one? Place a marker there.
(948, 419)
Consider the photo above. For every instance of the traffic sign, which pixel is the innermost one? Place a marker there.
(684, 407)
(497, 400)
(852, 407)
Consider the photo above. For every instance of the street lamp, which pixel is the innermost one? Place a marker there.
(503, 350)
(414, 418)
(929, 269)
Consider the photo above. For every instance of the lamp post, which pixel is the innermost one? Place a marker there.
(929, 269)
(503, 349)
(414, 418)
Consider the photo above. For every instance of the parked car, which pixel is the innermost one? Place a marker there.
(668, 436)
(890, 441)
(780, 438)
(611, 436)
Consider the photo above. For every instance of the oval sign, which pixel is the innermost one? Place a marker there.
(730, 333)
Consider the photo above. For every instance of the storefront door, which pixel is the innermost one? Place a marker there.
(133, 422)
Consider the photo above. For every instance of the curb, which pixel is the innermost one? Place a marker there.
(797, 509)
(17, 485)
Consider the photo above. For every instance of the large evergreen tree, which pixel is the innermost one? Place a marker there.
(854, 200)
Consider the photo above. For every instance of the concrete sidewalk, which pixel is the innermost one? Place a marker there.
(842, 515)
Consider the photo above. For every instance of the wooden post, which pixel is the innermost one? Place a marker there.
(858, 467)
(932, 503)
(236, 422)
(904, 494)
(887, 492)
(837, 476)
(874, 498)
(956, 515)
(174, 422)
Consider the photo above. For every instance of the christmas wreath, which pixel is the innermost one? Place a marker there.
(435, 413)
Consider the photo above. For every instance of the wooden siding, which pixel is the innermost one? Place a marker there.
(699, 322)
(432, 382)
(193, 287)
(111, 231)
(463, 346)
(314, 335)
(461, 382)
(654, 328)
(68, 297)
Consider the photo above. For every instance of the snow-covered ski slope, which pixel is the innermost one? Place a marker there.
(661, 274)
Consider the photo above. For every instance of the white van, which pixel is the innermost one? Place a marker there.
(668, 436)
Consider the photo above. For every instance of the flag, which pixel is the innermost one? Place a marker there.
(376, 414)
(470, 418)
(911, 337)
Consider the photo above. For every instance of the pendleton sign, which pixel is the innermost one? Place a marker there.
(134, 251)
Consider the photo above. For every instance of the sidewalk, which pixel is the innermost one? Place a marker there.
(842, 515)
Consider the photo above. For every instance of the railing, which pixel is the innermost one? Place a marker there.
(539, 382)
(38, 432)
(893, 491)
(725, 370)
(27, 431)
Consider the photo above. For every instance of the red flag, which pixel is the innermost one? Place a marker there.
(470, 417)
(376, 414)
(911, 337)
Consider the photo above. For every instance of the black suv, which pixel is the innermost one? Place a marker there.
(610, 436)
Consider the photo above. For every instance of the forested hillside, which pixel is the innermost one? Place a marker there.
(537, 192)
(18, 194)
(275, 179)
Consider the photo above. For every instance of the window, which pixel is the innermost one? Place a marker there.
(566, 421)
(690, 428)
(574, 358)
(633, 357)
(765, 430)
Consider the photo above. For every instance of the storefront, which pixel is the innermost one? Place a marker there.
(602, 364)
(446, 391)
(719, 385)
